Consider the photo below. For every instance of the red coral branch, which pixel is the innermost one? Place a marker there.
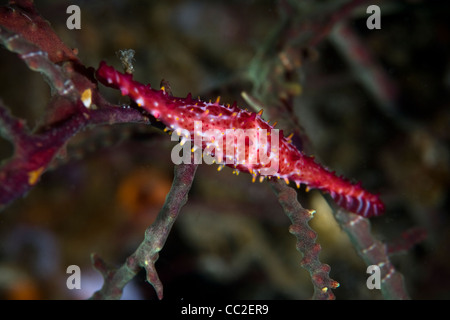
(407, 240)
(33, 153)
(70, 112)
(22, 18)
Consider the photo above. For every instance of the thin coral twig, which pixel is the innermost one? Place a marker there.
(322, 30)
(306, 241)
(38, 60)
(155, 236)
(373, 252)
(33, 153)
(365, 67)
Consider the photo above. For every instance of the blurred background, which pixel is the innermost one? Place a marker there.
(371, 104)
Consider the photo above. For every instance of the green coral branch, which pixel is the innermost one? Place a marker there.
(373, 252)
(306, 241)
(155, 237)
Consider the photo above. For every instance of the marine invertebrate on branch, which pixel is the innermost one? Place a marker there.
(180, 115)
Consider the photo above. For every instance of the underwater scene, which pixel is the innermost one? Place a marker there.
(224, 150)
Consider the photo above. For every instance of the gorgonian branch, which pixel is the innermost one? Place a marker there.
(366, 69)
(323, 29)
(373, 252)
(306, 241)
(33, 153)
(21, 17)
(75, 105)
(155, 236)
(38, 60)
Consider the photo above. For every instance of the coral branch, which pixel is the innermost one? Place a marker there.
(306, 241)
(76, 102)
(33, 153)
(373, 252)
(155, 236)
(323, 29)
(365, 67)
(11, 128)
(406, 241)
(38, 60)
(22, 18)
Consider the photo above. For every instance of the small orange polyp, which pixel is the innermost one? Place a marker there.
(86, 98)
(33, 176)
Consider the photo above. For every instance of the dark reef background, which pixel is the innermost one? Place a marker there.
(232, 240)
